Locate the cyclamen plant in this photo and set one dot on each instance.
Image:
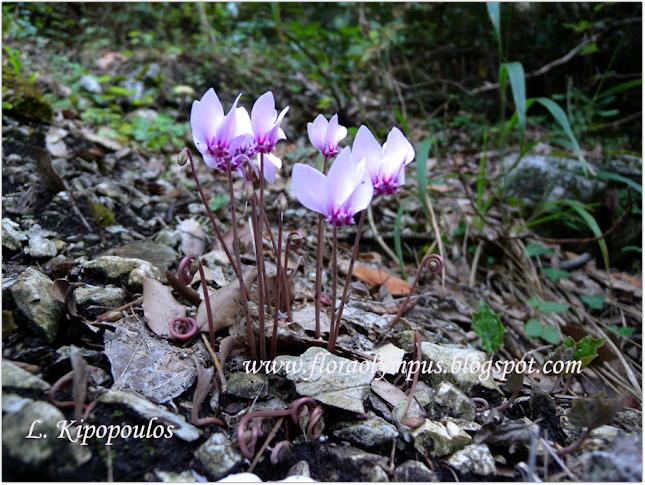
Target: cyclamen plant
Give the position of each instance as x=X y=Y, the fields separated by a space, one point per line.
x=237 y=143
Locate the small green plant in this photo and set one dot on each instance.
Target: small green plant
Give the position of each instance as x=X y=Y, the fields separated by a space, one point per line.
x=488 y=326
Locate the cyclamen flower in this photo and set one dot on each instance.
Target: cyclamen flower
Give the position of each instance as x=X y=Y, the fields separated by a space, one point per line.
x=326 y=135
x=340 y=194
x=265 y=123
x=385 y=165
x=242 y=147
x=213 y=133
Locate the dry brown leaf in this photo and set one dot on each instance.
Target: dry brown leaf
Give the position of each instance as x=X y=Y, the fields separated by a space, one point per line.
x=388 y=392
x=378 y=276
x=225 y=304
x=160 y=307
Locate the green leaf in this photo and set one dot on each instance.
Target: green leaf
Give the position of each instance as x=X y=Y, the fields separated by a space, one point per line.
x=595 y=302
x=534 y=329
x=494 y=16
x=627 y=85
x=561 y=118
x=217 y=202
x=422 y=181
x=533 y=249
x=489 y=328
x=398 y=247
x=548 y=306
x=632 y=249
x=625 y=332
x=515 y=72
x=604 y=175
x=586 y=350
x=551 y=335
x=555 y=274
x=592 y=224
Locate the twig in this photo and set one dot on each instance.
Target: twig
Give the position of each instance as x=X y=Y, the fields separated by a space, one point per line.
x=264 y=446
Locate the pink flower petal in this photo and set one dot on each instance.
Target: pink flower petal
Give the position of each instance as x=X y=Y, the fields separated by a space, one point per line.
x=366 y=148
x=263 y=114
x=316 y=131
x=343 y=177
x=310 y=188
x=205 y=116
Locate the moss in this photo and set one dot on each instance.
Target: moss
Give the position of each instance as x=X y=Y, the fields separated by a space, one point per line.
x=23 y=99
x=101 y=213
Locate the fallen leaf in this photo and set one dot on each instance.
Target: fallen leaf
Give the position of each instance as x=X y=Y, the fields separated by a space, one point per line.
x=378 y=276
x=160 y=307
x=388 y=392
x=225 y=303
x=152 y=367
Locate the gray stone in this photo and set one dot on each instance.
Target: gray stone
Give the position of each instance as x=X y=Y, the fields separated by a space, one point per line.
x=148 y=410
x=300 y=469
x=369 y=433
x=32 y=296
x=247 y=385
x=468 y=426
x=458 y=366
x=621 y=462
x=187 y=476
x=12 y=403
x=167 y=237
x=108 y=296
x=414 y=471
x=407 y=417
x=90 y=84
x=439 y=440
x=378 y=475
x=12 y=236
x=450 y=401
x=160 y=255
x=117 y=270
x=600 y=438
x=423 y=394
x=346 y=463
x=330 y=379
x=218 y=456
x=14 y=376
x=549 y=178
x=40 y=247
x=475 y=459
x=48 y=452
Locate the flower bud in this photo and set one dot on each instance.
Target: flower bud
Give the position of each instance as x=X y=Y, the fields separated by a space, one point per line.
x=281 y=203
x=182 y=157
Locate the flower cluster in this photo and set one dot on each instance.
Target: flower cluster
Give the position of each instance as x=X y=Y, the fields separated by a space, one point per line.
x=355 y=176
x=227 y=141
x=237 y=142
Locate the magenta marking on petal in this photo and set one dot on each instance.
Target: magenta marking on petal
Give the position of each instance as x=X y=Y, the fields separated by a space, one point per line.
x=340 y=217
x=386 y=186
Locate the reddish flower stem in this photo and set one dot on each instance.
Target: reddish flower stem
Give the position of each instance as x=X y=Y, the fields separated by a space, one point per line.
x=257 y=237
x=247 y=438
x=294 y=241
x=334 y=283
x=183 y=328
x=218 y=233
x=236 y=249
x=207 y=302
x=319 y=258
x=278 y=289
x=333 y=332
x=67 y=379
x=319 y=261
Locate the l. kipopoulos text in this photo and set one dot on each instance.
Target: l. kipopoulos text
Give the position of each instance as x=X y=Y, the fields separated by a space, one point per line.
x=79 y=432
x=484 y=370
